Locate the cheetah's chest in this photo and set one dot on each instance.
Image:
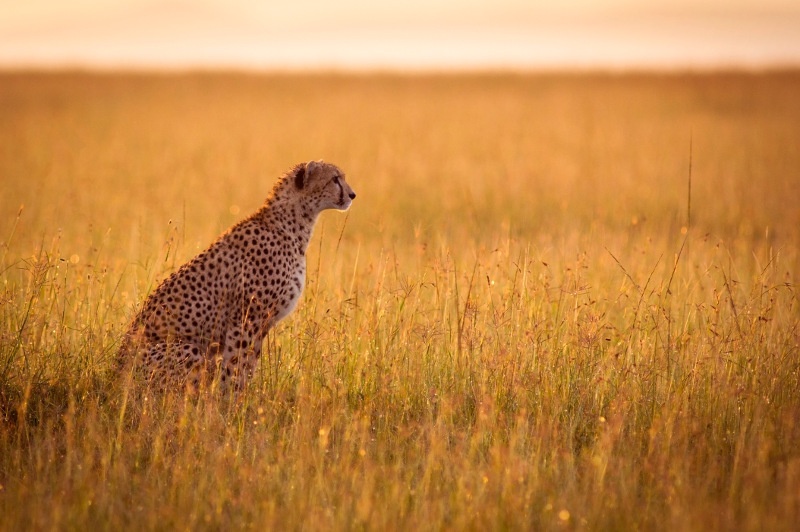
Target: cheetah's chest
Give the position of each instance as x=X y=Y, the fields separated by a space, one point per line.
x=287 y=301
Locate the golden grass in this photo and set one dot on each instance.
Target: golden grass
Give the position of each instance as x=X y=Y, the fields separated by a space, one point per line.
x=514 y=327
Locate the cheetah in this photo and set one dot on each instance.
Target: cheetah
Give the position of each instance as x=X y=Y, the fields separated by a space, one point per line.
x=208 y=319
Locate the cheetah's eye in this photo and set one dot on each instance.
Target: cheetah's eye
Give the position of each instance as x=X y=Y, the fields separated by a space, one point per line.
x=336 y=179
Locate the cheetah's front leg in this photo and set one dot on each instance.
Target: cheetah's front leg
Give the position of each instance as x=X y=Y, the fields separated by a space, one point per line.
x=240 y=354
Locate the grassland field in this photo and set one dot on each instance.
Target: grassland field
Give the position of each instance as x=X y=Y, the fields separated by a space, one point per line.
x=559 y=302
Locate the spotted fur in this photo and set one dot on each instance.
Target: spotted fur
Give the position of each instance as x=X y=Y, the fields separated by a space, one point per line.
x=209 y=318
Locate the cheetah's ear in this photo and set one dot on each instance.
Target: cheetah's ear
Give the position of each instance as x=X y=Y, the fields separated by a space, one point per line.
x=305 y=172
x=312 y=166
x=299 y=177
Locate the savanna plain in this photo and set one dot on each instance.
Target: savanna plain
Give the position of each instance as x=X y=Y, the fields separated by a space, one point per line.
x=558 y=302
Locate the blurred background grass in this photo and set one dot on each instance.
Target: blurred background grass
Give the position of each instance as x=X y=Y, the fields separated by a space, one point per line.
x=544 y=154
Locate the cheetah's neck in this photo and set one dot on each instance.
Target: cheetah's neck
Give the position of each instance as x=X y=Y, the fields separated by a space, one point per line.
x=291 y=220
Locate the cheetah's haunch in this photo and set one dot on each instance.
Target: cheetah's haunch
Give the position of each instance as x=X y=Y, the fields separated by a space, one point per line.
x=210 y=317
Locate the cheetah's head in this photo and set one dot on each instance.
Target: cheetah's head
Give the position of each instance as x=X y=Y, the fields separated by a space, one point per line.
x=323 y=184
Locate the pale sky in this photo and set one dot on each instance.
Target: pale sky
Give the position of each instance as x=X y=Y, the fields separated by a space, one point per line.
x=399 y=34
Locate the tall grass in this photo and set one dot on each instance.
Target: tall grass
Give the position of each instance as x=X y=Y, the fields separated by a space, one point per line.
x=515 y=326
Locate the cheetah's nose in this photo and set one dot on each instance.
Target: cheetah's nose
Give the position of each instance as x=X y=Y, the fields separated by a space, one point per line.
x=352 y=195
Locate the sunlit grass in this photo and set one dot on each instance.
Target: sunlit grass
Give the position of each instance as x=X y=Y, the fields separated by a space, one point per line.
x=515 y=325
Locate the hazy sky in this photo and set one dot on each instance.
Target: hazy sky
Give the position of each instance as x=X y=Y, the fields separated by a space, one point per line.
x=416 y=34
